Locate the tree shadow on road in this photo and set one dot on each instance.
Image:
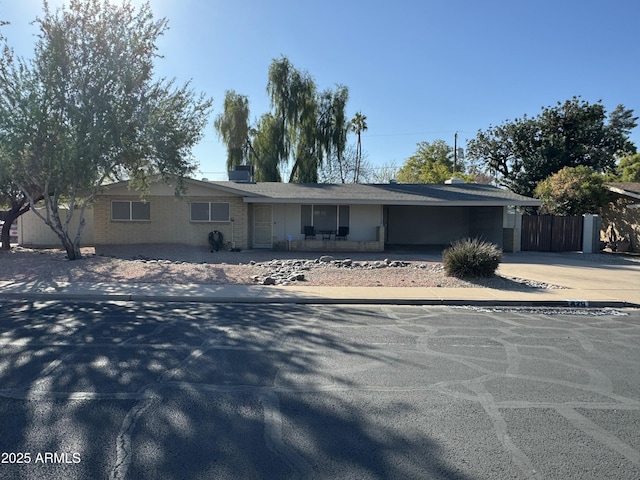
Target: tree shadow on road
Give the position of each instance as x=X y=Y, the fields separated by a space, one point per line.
x=174 y=391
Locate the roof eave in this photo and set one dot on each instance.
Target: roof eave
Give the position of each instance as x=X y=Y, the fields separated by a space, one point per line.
x=622 y=191
x=424 y=203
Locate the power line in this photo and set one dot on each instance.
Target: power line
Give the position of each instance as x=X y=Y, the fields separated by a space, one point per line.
x=442 y=132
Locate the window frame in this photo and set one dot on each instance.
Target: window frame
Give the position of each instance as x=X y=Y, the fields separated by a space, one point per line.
x=309 y=210
x=210 y=212
x=147 y=210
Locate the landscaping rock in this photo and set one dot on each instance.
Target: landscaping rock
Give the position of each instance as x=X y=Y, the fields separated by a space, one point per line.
x=285 y=272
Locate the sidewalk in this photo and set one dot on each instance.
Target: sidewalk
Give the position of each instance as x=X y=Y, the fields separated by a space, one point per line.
x=587 y=283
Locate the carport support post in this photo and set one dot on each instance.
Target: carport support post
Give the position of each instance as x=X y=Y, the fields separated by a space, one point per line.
x=512 y=224
x=517 y=232
x=591 y=234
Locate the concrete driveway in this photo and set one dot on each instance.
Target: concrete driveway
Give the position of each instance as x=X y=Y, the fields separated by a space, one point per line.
x=602 y=277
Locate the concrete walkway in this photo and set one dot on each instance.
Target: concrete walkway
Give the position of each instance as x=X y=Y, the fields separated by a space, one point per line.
x=588 y=280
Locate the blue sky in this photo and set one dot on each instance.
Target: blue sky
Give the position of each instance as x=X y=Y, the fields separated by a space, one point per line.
x=420 y=70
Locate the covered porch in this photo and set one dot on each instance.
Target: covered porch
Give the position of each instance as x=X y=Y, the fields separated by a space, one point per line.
x=311 y=245
x=317 y=227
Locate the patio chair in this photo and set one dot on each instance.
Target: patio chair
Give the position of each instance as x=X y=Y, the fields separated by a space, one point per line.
x=343 y=232
x=309 y=232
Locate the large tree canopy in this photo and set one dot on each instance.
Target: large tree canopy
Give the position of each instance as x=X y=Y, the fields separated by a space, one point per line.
x=86 y=109
x=13 y=202
x=293 y=98
x=432 y=163
x=305 y=132
x=333 y=129
x=14 y=133
x=311 y=126
x=265 y=153
x=525 y=151
x=233 y=128
x=629 y=168
x=573 y=191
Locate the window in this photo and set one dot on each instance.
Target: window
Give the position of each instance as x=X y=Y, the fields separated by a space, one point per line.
x=209 y=212
x=306 y=217
x=343 y=216
x=199 y=212
x=324 y=217
x=128 y=211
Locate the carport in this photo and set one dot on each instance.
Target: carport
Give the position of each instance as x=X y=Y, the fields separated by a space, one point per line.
x=437 y=226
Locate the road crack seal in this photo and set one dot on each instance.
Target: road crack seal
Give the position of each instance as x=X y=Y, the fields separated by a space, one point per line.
x=500 y=427
x=123 y=440
x=601 y=435
x=274 y=438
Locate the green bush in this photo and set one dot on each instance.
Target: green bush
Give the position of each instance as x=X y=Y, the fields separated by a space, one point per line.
x=471 y=257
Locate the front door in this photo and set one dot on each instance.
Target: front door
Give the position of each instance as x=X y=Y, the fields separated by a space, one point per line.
x=262 y=226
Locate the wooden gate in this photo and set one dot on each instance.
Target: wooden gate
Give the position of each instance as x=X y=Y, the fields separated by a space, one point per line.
x=551 y=233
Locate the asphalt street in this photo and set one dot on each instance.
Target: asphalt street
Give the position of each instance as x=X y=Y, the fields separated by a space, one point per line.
x=129 y=390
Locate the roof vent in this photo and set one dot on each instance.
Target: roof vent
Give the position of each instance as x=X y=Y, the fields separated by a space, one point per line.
x=241 y=174
x=454 y=181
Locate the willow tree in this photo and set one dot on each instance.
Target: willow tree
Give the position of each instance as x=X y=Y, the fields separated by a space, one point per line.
x=307 y=154
x=333 y=128
x=94 y=111
x=232 y=126
x=293 y=98
x=265 y=151
x=312 y=126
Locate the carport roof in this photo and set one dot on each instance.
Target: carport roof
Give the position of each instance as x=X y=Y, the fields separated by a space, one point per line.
x=463 y=194
x=630 y=189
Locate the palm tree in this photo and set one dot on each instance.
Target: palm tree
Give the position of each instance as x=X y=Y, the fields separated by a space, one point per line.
x=358 y=125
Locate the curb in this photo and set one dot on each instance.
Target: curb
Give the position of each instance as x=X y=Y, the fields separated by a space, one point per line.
x=573 y=303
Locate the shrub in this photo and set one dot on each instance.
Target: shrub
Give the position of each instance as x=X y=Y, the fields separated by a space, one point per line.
x=573 y=191
x=471 y=257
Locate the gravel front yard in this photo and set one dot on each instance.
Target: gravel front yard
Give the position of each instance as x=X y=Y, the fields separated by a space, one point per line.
x=180 y=264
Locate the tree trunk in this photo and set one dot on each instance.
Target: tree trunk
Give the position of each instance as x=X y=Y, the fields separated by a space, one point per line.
x=52 y=219
x=9 y=217
x=72 y=249
x=6 y=239
x=356 y=176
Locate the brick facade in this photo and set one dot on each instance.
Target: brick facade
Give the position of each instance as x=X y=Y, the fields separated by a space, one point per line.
x=170 y=222
x=411 y=214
